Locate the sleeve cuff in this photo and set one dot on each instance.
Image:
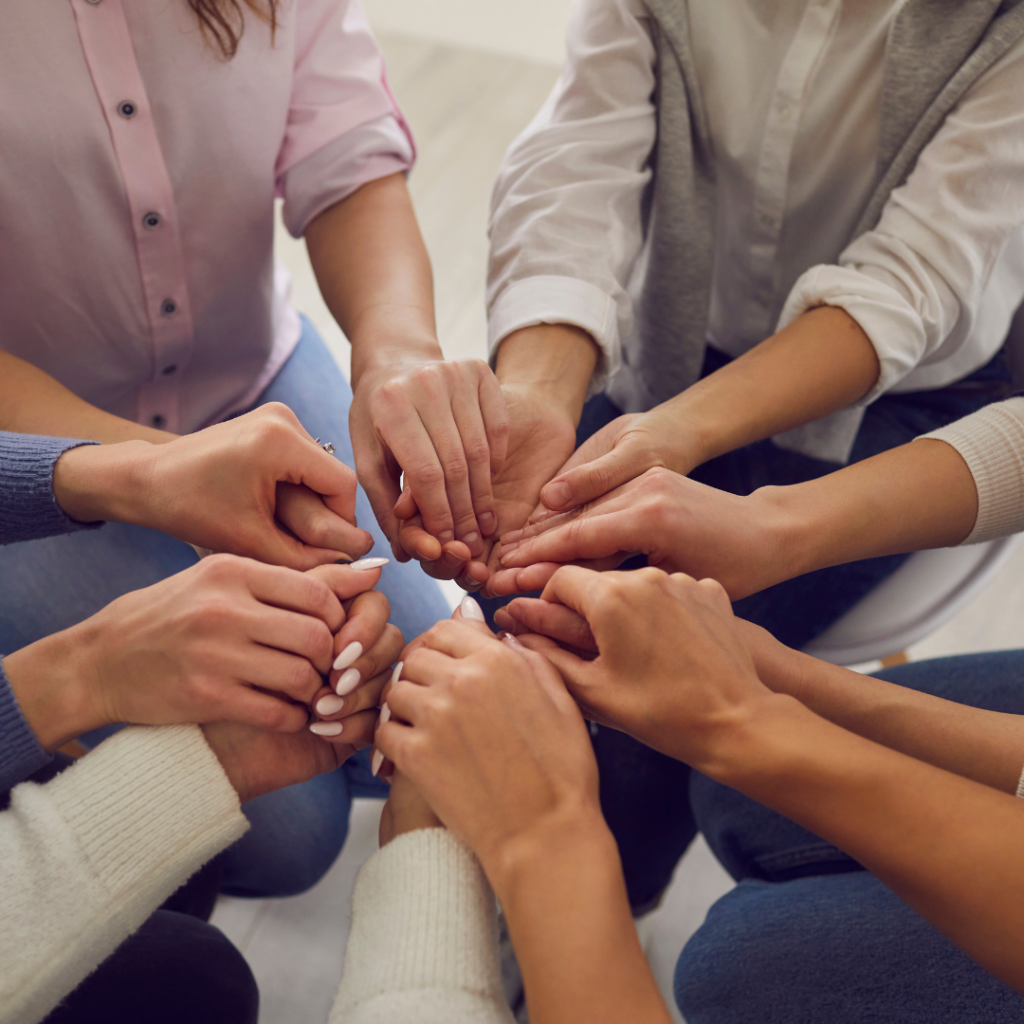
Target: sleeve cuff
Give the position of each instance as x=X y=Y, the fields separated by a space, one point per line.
x=559 y=300
x=991 y=442
x=20 y=751
x=423 y=918
x=28 y=507
x=890 y=322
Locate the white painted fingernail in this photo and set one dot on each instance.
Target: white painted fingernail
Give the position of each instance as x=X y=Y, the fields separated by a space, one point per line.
x=385 y=713
x=326 y=728
x=471 y=610
x=396 y=673
x=347 y=682
x=369 y=563
x=375 y=762
x=329 y=705
x=349 y=656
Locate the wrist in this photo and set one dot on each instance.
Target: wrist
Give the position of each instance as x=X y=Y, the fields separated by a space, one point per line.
x=783 y=535
x=102 y=482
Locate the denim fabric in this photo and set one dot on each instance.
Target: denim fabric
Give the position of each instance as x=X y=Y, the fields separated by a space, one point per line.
x=795 y=611
x=809 y=936
x=49 y=585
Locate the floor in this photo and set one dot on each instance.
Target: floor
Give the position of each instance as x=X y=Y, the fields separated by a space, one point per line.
x=465 y=107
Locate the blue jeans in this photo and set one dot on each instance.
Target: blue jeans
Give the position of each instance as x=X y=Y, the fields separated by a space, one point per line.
x=808 y=936
x=49 y=585
x=644 y=794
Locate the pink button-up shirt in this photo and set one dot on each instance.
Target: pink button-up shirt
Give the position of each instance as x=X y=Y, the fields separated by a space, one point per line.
x=138 y=171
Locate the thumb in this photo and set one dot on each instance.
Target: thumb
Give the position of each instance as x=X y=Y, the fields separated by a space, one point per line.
x=582 y=679
x=593 y=479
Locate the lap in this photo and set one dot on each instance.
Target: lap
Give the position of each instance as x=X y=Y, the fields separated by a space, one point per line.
x=831 y=950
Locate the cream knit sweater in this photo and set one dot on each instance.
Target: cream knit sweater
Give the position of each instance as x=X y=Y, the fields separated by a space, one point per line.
x=91 y=854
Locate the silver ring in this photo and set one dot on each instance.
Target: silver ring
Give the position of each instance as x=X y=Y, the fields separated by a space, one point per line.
x=327 y=446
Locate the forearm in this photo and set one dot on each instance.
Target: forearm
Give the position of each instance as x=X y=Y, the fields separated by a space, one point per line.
x=557 y=359
x=568 y=915
x=948 y=846
x=374 y=274
x=918 y=496
x=982 y=745
x=823 y=361
x=32 y=402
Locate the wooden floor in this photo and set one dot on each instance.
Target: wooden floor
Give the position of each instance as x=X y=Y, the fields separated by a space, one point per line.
x=465 y=107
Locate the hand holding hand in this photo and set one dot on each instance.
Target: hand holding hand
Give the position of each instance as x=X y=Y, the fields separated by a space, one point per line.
x=255 y=485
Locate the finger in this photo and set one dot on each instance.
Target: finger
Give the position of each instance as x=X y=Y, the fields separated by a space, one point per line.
x=406 y=699
x=520 y=581
x=262 y=710
x=366 y=645
x=325 y=532
x=496 y=421
x=422 y=667
x=425 y=475
x=348 y=581
x=405 y=507
x=292 y=633
x=473 y=576
x=321 y=472
x=356 y=732
x=274 y=670
x=577 y=675
x=308 y=593
x=380 y=481
x=416 y=541
x=456 y=519
x=554 y=620
x=470 y=423
x=591 y=480
x=578 y=536
x=576 y=588
x=457 y=639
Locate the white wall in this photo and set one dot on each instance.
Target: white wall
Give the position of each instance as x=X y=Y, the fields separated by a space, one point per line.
x=534 y=29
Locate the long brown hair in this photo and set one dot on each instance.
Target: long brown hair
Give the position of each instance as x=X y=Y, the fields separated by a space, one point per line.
x=222 y=21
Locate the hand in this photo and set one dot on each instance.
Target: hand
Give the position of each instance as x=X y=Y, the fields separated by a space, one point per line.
x=257 y=761
x=256 y=485
x=672 y=669
x=541 y=436
x=446 y=426
x=679 y=524
x=227 y=639
x=405 y=811
x=487 y=733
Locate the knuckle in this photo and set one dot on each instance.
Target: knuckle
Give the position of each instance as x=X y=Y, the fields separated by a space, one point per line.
x=478 y=452
x=456 y=471
x=429 y=475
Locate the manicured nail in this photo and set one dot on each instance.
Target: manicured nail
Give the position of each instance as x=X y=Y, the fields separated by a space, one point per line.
x=364 y=564
x=349 y=656
x=445 y=537
x=326 y=728
x=329 y=705
x=471 y=610
x=471 y=538
x=347 y=682
x=375 y=762
x=557 y=495
x=385 y=713
x=505 y=637
x=488 y=523
x=396 y=673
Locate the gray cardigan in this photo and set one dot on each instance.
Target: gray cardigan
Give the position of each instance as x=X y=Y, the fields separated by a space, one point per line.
x=937 y=50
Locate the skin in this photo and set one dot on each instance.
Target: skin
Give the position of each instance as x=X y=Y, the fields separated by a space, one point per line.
x=489 y=737
x=918 y=496
x=916 y=789
x=227 y=640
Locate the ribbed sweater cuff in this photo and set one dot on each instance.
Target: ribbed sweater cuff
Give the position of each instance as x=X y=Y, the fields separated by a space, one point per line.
x=423 y=917
x=991 y=442
x=20 y=751
x=148 y=807
x=28 y=508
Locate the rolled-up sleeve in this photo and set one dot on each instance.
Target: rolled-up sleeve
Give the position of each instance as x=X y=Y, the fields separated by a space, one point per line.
x=344 y=126
x=919 y=284
x=566 y=217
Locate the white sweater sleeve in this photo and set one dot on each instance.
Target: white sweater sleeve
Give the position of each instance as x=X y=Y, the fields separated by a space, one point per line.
x=91 y=854
x=991 y=442
x=423 y=947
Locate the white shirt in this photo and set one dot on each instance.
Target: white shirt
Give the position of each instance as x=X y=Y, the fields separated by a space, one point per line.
x=792 y=90
x=138 y=171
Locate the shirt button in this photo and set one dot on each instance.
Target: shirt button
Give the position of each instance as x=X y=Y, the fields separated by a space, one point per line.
x=158 y=421
x=169 y=371
x=127 y=109
x=168 y=307
x=92 y=1
x=152 y=219
x=766 y=219
x=784 y=110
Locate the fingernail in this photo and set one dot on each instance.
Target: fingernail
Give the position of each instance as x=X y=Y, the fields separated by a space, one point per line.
x=508 y=552
x=385 y=713
x=350 y=655
x=557 y=495
x=375 y=762
x=488 y=523
x=347 y=682
x=471 y=538
x=396 y=673
x=471 y=610
x=326 y=728
x=511 y=537
x=445 y=537
x=329 y=705
x=506 y=638
x=365 y=564
x=342 y=558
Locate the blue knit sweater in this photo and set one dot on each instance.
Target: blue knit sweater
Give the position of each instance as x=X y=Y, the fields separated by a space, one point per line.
x=28 y=510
